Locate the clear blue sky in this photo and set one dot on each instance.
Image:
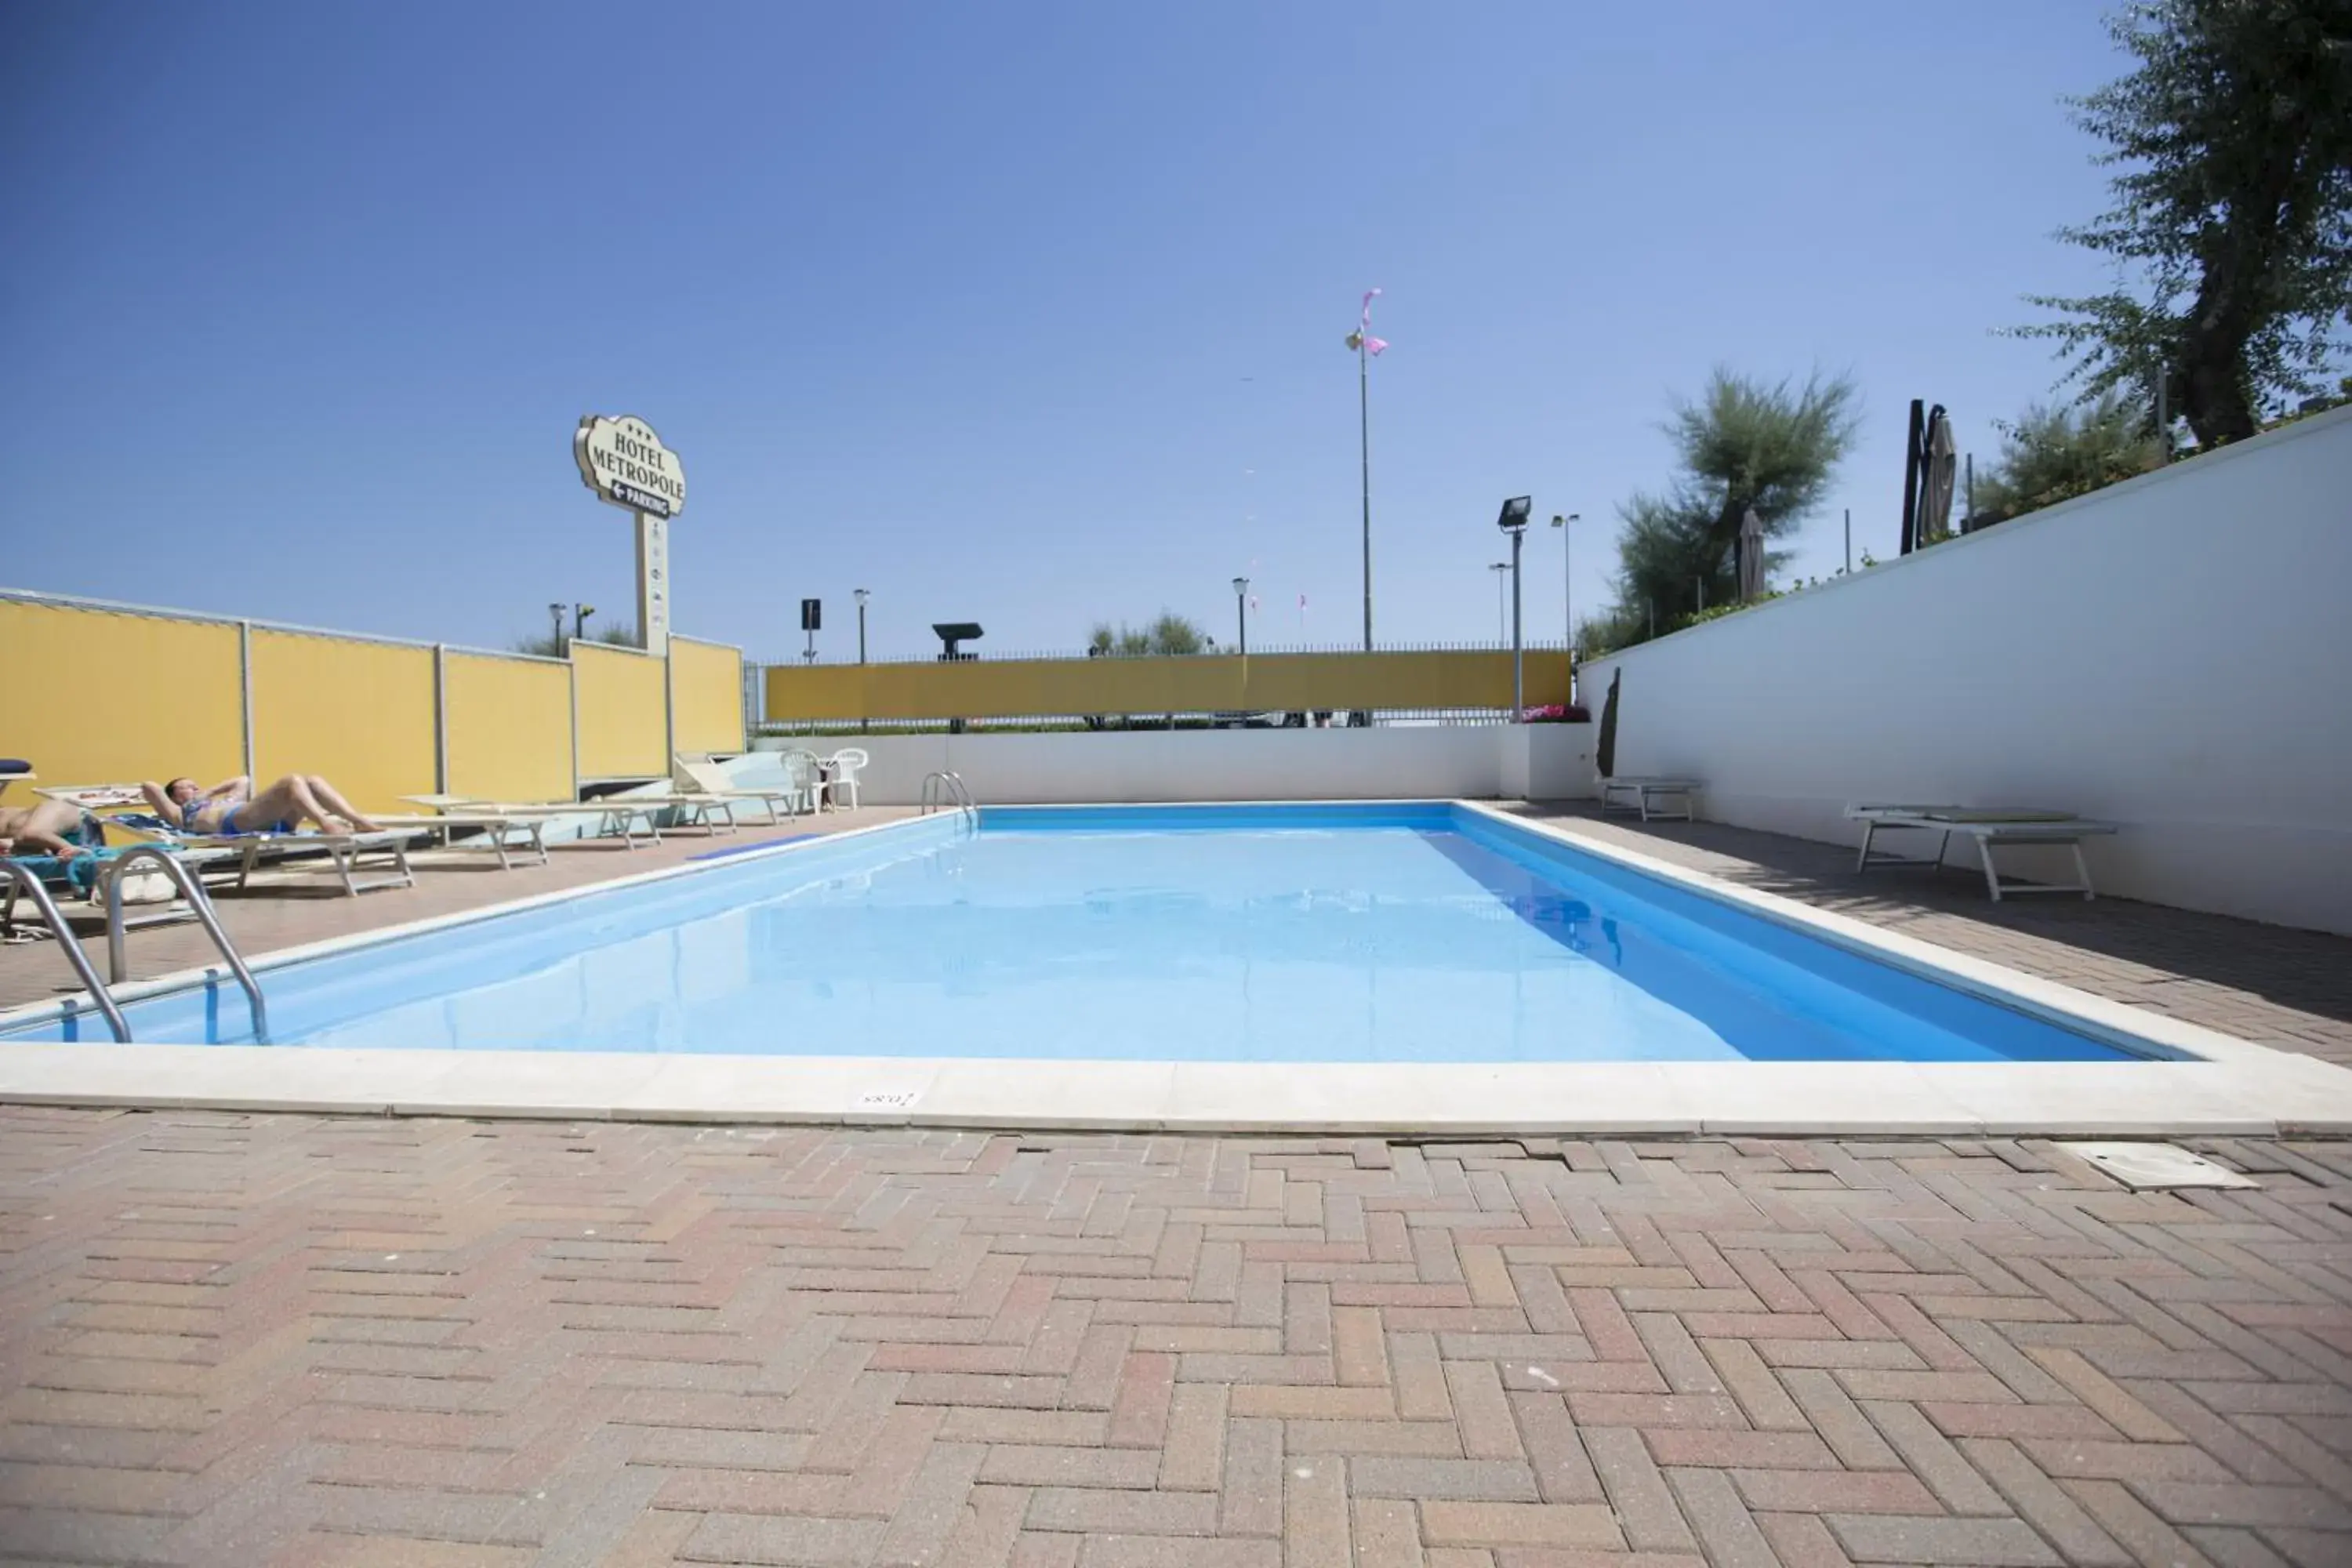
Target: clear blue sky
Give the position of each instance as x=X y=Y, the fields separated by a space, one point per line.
x=1022 y=313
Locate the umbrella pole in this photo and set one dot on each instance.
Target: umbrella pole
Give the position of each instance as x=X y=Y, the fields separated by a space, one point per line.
x=1911 y=478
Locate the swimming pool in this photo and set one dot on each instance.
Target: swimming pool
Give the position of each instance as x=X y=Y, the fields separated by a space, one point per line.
x=1386 y=934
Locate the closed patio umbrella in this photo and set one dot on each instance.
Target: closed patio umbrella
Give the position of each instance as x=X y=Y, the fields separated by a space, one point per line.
x=1943 y=468
x=1604 y=756
x=1752 y=557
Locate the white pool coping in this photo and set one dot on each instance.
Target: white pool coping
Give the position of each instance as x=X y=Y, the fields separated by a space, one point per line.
x=2233 y=1087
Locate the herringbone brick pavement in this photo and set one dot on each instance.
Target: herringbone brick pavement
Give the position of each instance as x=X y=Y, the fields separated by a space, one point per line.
x=298 y=1339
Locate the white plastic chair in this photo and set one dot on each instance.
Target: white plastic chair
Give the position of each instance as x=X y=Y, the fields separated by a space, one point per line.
x=845 y=763
x=803 y=777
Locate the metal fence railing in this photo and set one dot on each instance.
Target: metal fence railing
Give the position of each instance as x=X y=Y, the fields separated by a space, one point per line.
x=1114 y=723
x=798 y=659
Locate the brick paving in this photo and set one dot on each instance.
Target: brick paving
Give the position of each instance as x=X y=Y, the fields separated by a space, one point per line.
x=287 y=1340
x=2274 y=986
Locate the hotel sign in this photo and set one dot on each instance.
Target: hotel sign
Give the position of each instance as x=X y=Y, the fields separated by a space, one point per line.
x=624 y=463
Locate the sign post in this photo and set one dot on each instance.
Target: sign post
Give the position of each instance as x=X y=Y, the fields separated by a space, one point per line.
x=624 y=463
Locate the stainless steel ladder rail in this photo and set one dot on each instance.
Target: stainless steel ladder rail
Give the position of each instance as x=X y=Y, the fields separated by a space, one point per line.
x=200 y=903
x=941 y=790
x=22 y=879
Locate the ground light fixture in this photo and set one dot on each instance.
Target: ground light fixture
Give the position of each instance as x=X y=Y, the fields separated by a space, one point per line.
x=1513 y=520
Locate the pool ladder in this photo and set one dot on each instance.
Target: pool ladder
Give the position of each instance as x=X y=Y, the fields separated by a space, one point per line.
x=943 y=790
x=22 y=878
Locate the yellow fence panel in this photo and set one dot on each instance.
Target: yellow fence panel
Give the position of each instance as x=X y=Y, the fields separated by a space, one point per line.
x=624 y=719
x=707 y=685
x=359 y=712
x=1298 y=682
x=98 y=696
x=508 y=726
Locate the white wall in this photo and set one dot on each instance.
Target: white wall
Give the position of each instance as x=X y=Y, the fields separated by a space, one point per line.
x=2173 y=655
x=1447 y=761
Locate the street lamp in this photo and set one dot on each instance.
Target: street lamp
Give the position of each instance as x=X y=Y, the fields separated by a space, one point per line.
x=1568 y=584
x=580 y=614
x=1513 y=520
x=1241 y=611
x=861 y=596
x=555 y=614
x=1502 y=600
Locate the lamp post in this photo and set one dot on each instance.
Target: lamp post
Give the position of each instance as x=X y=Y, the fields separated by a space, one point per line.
x=1502 y=601
x=1568 y=584
x=580 y=614
x=861 y=596
x=1240 y=611
x=1366 y=346
x=1513 y=520
x=555 y=614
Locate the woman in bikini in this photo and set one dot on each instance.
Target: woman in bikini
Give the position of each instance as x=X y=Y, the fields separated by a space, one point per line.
x=231 y=807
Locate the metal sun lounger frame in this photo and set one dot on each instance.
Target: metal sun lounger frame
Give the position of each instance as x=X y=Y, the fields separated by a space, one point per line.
x=1989 y=826
x=614 y=814
x=1649 y=793
x=214 y=851
x=491 y=824
x=107 y=869
x=706 y=775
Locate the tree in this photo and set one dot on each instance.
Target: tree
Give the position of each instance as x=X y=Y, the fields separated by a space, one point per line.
x=1169 y=633
x=2234 y=206
x=618 y=633
x=1742 y=444
x=2054 y=453
x=547 y=645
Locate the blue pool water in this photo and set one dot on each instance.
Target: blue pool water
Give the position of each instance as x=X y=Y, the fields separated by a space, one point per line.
x=1313 y=933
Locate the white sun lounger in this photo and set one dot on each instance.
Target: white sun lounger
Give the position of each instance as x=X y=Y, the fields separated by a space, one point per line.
x=710 y=780
x=614 y=815
x=493 y=827
x=1649 y=795
x=1988 y=826
x=346 y=853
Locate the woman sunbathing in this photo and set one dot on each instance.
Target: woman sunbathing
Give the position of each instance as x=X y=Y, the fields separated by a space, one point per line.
x=47 y=828
x=231 y=807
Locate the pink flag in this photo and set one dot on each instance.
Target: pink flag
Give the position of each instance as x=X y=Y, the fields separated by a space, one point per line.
x=1362 y=336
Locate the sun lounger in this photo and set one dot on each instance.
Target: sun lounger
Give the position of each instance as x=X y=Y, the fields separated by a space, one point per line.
x=1649 y=795
x=617 y=814
x=491 y=825
x=707 y=779
x=1988 y=826
x=84 y=877
x=347 y=854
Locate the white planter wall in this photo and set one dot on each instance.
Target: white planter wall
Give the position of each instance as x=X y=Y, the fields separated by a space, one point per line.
x=2173 y=655
x=1547 y=762
x=1439 y=762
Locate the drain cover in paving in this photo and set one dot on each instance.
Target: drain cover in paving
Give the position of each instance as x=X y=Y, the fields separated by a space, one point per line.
x=2146 y=1166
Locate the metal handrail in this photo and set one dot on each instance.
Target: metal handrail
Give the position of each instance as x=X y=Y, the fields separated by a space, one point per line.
x=23 y=877
x=941 y=790
x=200 y=903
